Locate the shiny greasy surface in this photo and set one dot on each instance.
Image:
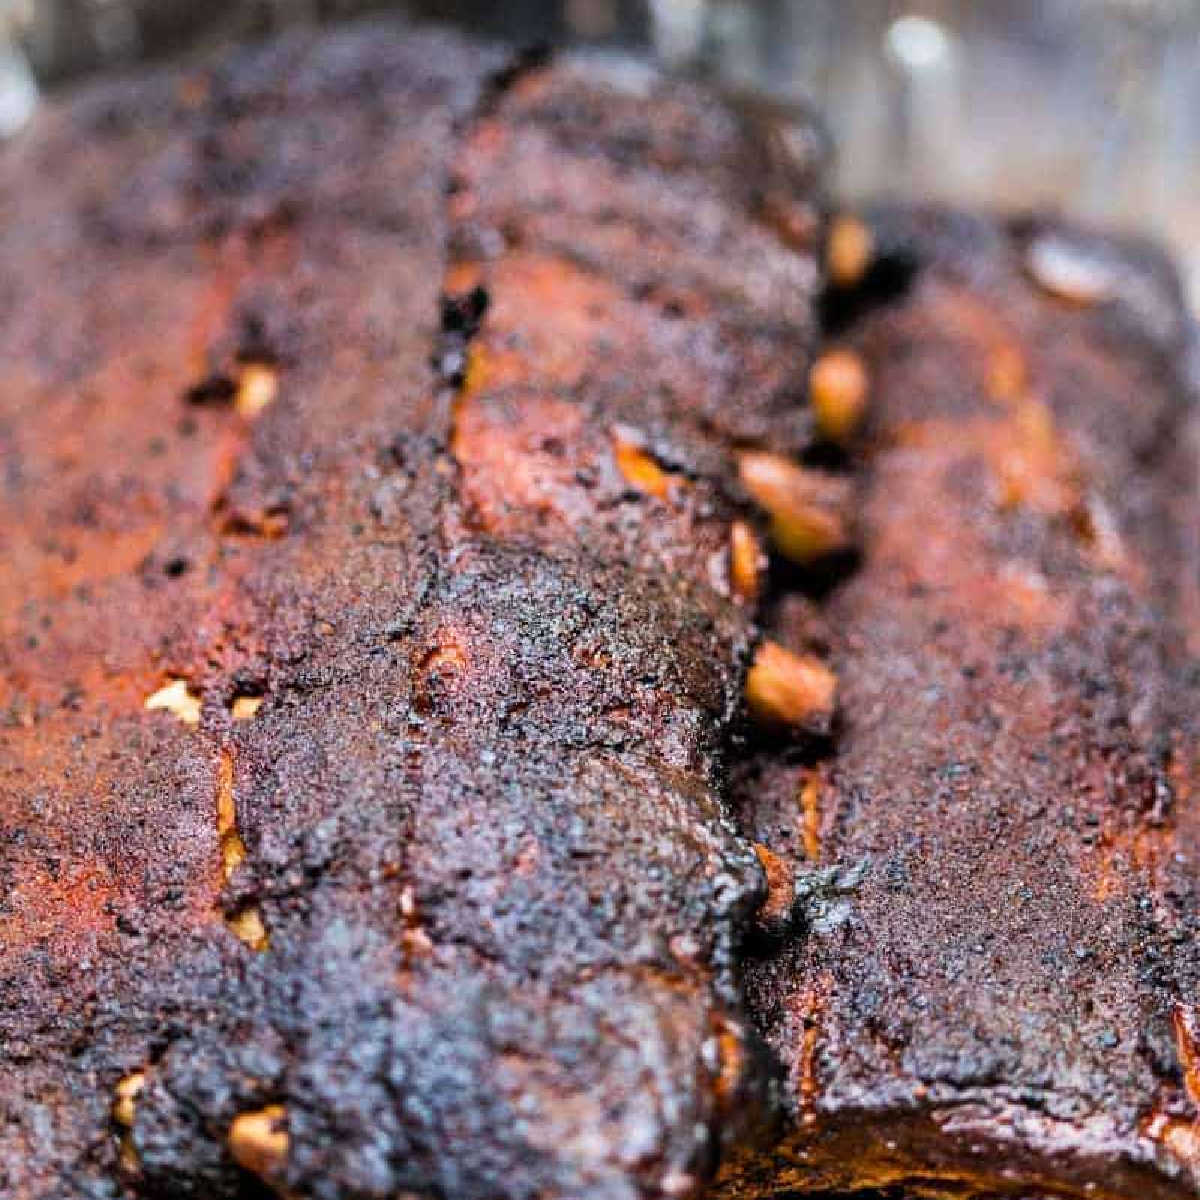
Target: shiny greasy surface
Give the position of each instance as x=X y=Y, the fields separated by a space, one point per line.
x=479 y=807
x=989 y=985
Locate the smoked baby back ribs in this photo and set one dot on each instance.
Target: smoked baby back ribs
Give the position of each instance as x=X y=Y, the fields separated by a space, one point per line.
x=369 y=623
x=990 y=986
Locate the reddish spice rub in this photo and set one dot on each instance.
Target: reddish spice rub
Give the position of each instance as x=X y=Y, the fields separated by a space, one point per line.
x=989 y=981
x=415 y=876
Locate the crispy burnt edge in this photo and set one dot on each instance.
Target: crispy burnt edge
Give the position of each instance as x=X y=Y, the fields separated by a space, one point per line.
x=788 y=698
x=170 y=968
x=257 y=1137
x=875 y=257
x=799 y=693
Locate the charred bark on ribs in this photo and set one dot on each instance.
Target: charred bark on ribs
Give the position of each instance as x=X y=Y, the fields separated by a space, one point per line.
x=362 y=805
x=990 y=982
x=393 y=435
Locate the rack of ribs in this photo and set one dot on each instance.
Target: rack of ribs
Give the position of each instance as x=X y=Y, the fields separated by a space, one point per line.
x=990 y=983
x=429 y=530
x=369 y=412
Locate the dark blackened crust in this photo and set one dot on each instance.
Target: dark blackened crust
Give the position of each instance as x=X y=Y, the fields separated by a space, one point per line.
x=153 y=245
x=992 y=1006
x=494 y=1021
x=415 y=878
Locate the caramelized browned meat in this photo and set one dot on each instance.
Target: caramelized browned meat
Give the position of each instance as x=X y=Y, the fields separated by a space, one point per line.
x=360 y=779
x=989 y=987
x=391 y=435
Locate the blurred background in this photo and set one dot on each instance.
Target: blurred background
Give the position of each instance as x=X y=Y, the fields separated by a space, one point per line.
x=1087 y=106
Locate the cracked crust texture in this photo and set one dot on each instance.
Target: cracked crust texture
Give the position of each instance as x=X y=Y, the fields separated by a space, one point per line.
x=990 y=988
x=479 y=807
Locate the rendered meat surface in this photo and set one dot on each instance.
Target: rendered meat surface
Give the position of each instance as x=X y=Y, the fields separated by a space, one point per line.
x=367 y=641
x=381 y=425
x=991 y=983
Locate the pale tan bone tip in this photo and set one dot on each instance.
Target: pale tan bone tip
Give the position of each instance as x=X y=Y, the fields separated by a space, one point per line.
x=809 y=509
x=233 y=849
x=258 y=385
x=178 y=699
x=793 y=690
x=125 y=1096
x=247 y=926
x=850 y=250
x=245 y=708
x=637 y=465
x=837 y=389
x=747 y=562
x=258 y=1141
